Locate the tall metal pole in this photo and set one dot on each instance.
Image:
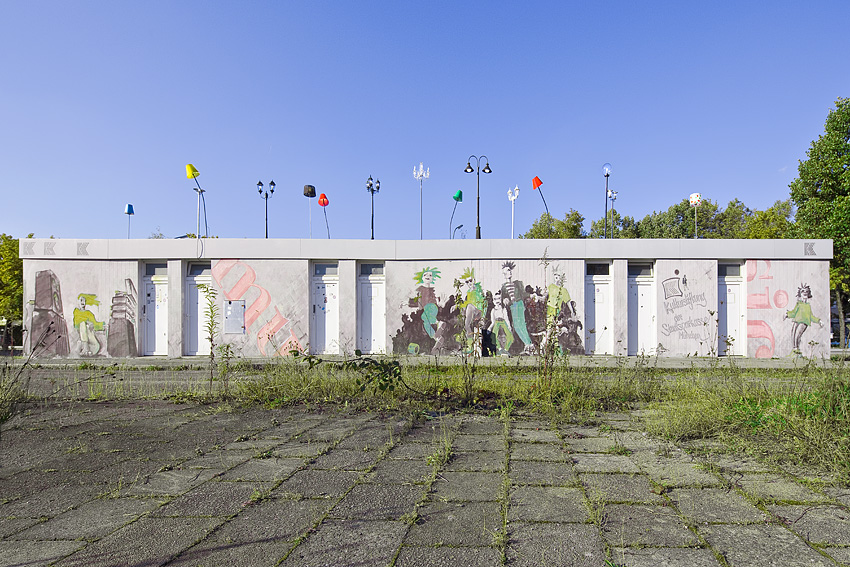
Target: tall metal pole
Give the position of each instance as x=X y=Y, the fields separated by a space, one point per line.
x=477 y=172
x=512 y=196
x=606 y=171
x=420 y=175
x=605 y=234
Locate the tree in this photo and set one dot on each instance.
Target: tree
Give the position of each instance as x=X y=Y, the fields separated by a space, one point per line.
x=11 y=278
x=732 y=221
x=775 y=222
x=623 y=227
x=822 y=196
x=549 y=227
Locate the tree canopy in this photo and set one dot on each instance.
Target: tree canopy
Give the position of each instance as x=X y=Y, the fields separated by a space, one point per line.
x=11 y=278
x=821 y=193
x=735 y=221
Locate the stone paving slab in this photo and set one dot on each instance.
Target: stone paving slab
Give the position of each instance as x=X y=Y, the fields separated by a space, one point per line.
x=357 y=542
x=555 y=545
x=92 y=520
x=777 y=488
x=467 y=486
x=410 y=556
x=35 y=553
x=604 y=463
x=816 y=524
x=542 y=473
x=618 y=487
x=641 y=525
x=157 y=540
x=715 y=505
x=547 y=504
x=456 y=524
x=762 y=545
x=477 y=461
x=379 y=502
x=657 y=557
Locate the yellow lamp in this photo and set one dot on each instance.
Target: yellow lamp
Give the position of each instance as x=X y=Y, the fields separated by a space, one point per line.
x=191 y=172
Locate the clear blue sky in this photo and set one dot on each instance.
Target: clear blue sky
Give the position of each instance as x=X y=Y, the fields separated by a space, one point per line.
x=104 y=103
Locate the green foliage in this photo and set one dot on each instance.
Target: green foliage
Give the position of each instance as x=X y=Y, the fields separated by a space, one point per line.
x=380 y=374
x=11 y=278
x=822 y=196
x=774 y=222
x=210 y=322
x=549 y=227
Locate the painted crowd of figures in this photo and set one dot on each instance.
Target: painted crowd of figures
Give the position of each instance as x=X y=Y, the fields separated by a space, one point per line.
x=512 y=320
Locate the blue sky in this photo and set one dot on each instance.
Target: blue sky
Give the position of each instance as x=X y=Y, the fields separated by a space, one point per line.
x=104 y=103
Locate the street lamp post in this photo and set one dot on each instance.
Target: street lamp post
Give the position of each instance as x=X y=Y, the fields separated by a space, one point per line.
x=265 y=196
x=372 y=189
x=512 y=195
x=612 y=195
x=606 y=171
x=421 y=175
x=477 y=172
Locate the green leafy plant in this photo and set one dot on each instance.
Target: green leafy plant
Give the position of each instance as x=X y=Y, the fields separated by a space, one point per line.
x=211 y=313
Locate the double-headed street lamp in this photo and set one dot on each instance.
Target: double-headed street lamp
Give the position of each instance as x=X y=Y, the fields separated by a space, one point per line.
x=372 y=189
x=477 y=172
x=265 y=196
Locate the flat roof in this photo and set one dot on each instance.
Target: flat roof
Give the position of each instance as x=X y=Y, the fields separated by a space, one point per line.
x=312 y=249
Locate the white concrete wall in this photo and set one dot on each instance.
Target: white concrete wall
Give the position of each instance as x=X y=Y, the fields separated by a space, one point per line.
x=686 y=296
x=273 y=278
x=772 y=288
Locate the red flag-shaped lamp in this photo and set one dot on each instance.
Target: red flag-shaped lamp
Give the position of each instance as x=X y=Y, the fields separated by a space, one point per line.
x=323 y=202
x=535 y=184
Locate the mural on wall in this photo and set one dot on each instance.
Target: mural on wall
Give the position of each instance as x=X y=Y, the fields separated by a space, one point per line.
x=91 y=335
x=773 y=327
x=758 y=327
x=121 y=336
x=48 y=323
x=87 y=325
x=802 y=317
x=679 y=302
x=276 y=336
x=512 y=320
x=687 y=314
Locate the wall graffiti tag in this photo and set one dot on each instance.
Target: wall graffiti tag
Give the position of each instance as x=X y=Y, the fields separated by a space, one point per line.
x=267 y=333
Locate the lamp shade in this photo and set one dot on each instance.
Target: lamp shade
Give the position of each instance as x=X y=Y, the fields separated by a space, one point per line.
x=309 y=191
x=696 y=199
x=535 y=183
x=128 y=210
x=323 y=200
x=191 y=172
x=458 y=197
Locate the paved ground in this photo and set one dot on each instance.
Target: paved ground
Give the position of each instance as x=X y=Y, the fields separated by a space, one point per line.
x=155 y=483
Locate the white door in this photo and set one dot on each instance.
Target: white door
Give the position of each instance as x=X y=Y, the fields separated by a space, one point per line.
x=730 y=318
x=641 y=317
x=156 y=315
x=197 y=340
x=598 y=316
x=324 y=327
x=371 y=310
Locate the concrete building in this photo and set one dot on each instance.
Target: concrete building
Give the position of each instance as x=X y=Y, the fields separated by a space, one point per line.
x=123 y=298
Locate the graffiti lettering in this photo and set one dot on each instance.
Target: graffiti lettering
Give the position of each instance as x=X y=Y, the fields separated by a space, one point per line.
x=688 y=300
x=761 y=330
x=253 y=312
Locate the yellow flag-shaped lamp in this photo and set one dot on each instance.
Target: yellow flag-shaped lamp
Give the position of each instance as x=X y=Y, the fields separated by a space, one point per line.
x=191 y=172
